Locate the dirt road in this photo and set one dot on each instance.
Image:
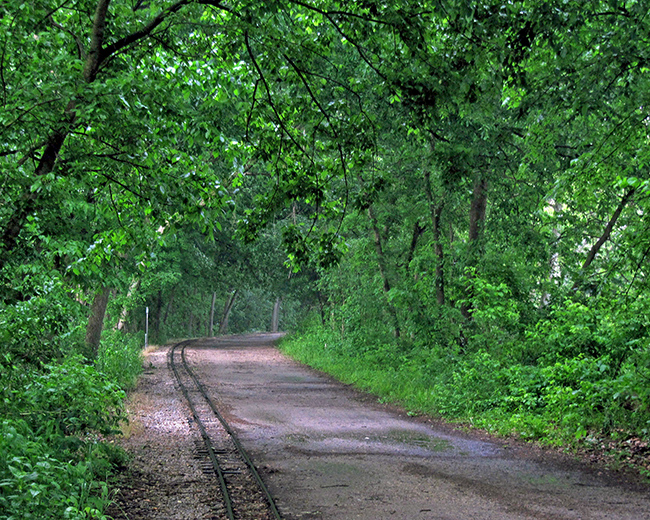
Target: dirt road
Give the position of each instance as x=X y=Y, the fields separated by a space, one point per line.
x=329 y=452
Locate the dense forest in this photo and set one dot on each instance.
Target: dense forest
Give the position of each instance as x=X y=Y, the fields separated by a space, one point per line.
x=444 y=200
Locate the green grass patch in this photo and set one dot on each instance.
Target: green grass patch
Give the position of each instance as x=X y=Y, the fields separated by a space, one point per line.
x=120 y=358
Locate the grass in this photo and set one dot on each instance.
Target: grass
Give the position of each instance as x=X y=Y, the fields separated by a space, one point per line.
x=573 y=404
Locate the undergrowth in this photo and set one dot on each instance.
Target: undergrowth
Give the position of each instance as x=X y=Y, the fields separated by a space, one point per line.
x=55 y=416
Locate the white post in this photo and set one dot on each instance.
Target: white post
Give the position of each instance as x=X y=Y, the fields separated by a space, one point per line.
x=146 y=329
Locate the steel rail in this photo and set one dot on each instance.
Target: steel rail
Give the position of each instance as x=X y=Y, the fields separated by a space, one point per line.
x=204 y=434
x=233 y=437
x=235 y=440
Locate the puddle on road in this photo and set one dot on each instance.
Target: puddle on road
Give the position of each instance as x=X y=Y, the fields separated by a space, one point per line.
x=418 y=439
x=393 y=438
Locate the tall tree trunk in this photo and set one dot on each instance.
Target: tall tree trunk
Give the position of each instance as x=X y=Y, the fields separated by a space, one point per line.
x=440 y=263
x=202 y=326
x=190 y=320
x=275 y=319
x=415 y=236
x=170 y=305
x=381 y=262
x=477 y=211
x=230 y=301
x=121 y=322
x=28 y=202
x=214 y=299
x=96 y=321
x=476 y=224
x=436 y=213
x=553 y=262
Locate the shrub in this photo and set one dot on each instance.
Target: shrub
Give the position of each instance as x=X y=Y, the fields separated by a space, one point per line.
x=71 y=398
x=44 y=326
x=35 y=484
x=120 y=358
x=52 y=463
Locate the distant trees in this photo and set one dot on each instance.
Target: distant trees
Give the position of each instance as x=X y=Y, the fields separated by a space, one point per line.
x=517 y=132
x=503 y=195
x=123 y=123
x=458 y=191
x=496 y=152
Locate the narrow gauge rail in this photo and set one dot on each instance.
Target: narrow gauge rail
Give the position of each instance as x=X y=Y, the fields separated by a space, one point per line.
x=237 y=475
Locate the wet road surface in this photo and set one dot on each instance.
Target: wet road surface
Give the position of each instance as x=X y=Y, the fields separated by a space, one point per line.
x=329 y=452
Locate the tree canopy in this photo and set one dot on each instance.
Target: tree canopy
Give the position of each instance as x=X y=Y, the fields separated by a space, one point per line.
x=464 y=179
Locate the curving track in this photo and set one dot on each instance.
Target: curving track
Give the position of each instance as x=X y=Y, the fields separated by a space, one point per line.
x=327 y=451
x=245 y=496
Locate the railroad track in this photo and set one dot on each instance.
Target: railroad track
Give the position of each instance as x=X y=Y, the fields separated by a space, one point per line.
x=245 y=496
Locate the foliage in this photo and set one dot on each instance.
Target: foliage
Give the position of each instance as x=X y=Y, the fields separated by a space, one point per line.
x=498 y=255
x=37 y=483
x=570 y=401
x=65 y=399
x=52 y=462
x=120 y=358
x=45 y=325
x=458 y=191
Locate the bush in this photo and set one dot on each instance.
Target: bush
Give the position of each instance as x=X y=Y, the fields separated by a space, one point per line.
x=52 y=462
x=471 y=385
x=35 y=484
x=559 y=398
x=120 y=357
x=71 y=398
x=44 y=327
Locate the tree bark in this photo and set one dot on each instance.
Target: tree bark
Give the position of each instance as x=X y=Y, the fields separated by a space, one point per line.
x=94 y=56
x=440 y=264
x=214 y=299
x=96 y=321
x=230 y=301
x=604 y=237
x=27 y=204
x=476 y=223
x=121 y=322
x=477 y=211
x=436 y=213
x=415 y=236
x=275 y=319
x=553 y=261
x=381 y=262
x=190 y=320
x=97 y=53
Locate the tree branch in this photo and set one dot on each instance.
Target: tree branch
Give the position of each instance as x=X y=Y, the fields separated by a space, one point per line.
x=80 y=47
x=94 y=57
x=605 y=236
x=122 y=43
x=270 y=98
x=121 y=184
x=161 y=17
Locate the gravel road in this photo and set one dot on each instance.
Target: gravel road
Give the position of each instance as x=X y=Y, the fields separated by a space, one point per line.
x=327 y=452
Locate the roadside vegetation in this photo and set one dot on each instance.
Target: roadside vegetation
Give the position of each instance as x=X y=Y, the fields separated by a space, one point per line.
x=454 y=194
x=58 y=408
x=595 y=403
